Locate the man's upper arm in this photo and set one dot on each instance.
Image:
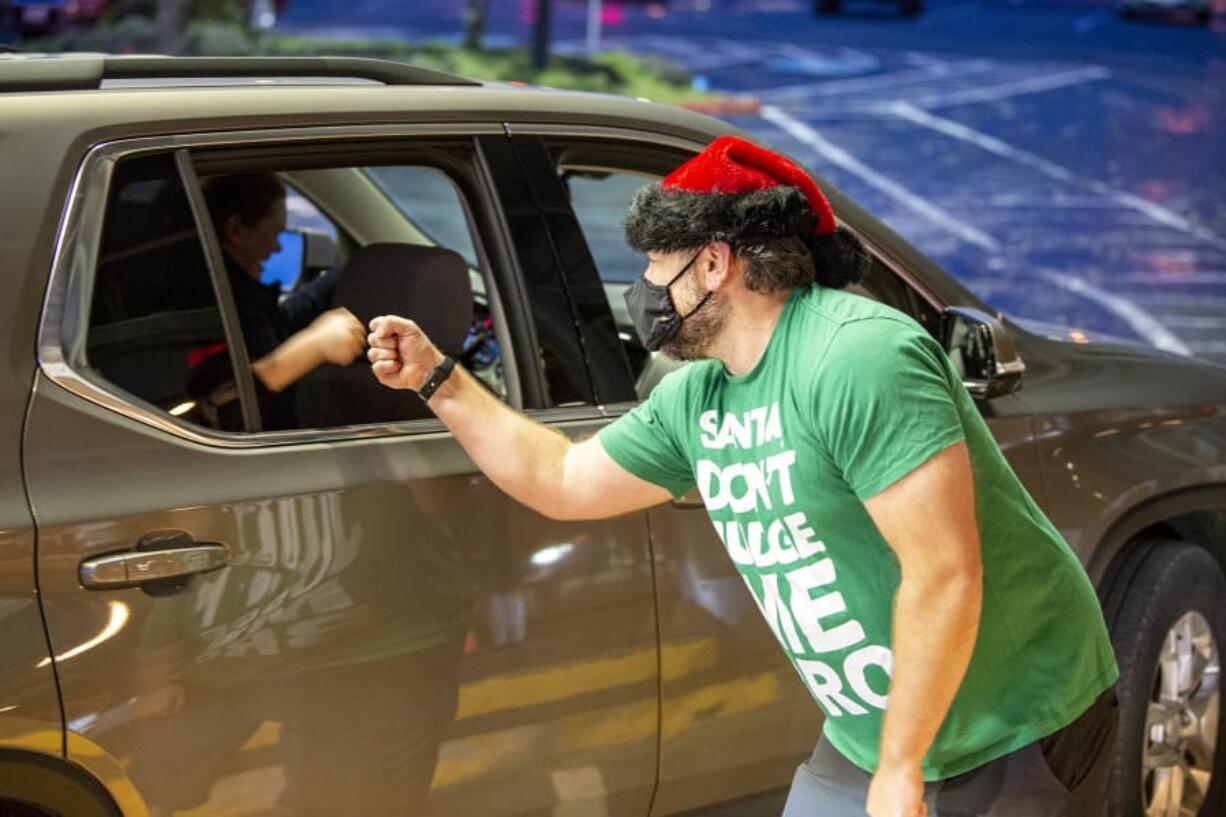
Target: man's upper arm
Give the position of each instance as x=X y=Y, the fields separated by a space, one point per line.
x=885 y=403
x=928 y=516
x=634 y=462
x=597 y=487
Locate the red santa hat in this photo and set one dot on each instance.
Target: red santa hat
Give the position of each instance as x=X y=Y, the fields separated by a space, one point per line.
x=732 y=191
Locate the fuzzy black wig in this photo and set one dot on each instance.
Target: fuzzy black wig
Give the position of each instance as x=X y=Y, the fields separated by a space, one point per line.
x=670 y=220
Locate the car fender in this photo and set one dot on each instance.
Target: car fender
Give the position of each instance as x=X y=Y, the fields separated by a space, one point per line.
x=1196 y=513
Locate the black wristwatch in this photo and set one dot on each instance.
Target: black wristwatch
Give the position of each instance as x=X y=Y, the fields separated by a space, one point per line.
x=437 y=377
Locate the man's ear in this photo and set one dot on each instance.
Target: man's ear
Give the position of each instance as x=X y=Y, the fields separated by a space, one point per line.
x=719 y=265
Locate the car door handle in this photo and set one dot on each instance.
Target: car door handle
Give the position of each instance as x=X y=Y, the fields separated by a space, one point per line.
x=135 y=567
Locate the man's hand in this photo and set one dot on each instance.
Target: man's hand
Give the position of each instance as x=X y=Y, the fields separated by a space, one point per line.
x=401 y=355
x=336 y=336
x=896 y=791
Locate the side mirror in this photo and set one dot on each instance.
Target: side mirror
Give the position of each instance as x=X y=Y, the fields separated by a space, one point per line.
x=982 y=352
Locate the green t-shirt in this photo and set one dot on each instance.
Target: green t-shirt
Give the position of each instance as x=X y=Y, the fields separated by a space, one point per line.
x=849 y=397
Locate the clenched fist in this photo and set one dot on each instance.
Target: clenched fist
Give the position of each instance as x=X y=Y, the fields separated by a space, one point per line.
x=401 y=355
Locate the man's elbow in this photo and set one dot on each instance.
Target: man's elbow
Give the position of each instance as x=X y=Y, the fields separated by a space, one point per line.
x=560 y=509
x=556 y=512
x=964 y=581
x=959 y=575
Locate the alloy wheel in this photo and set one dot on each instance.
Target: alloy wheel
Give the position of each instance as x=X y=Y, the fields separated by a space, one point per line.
x=1182 y=721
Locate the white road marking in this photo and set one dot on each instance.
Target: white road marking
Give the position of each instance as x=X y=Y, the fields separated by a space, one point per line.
x=889 y=80
x=1143 y=323
x=991 y=144
x=840 y=157
x=1006 y=90
x=956 y=130
x=845 y=61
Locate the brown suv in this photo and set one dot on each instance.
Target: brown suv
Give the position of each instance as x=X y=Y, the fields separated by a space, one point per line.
x=342 y=617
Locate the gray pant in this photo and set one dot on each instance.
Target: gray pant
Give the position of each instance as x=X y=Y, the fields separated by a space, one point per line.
x=1063 y=775
x=1019 y=784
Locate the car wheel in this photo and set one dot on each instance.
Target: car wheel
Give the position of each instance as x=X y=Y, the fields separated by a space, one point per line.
x=829 y=6
x=1202 y=16
x=1128 y=12
x=1168 y=636
x=911 y=8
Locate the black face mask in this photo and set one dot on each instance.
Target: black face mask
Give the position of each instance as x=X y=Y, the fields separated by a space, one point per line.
x=651 y=308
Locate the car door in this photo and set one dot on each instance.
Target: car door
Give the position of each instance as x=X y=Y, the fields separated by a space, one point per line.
x=322 y=620
x=735 y=719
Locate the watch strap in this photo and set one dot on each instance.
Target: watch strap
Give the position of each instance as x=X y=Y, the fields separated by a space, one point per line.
x=437 y=377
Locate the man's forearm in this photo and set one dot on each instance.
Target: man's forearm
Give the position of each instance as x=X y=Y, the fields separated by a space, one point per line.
x=523 y=458
x=936 y=622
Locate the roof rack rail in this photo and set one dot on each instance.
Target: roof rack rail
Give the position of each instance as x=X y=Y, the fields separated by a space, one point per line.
x=79 y=72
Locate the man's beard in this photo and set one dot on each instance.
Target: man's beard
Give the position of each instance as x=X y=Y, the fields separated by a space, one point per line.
x=698 y=332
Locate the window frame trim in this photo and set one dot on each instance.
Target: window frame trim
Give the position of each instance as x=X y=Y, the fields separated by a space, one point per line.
x=206 y=233
x=64 y=322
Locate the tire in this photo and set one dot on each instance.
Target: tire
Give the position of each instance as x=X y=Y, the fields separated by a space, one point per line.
x=1202 y=16
x=1128 y=13
x=1175 y=598
x=911 y=8
x=826 y=7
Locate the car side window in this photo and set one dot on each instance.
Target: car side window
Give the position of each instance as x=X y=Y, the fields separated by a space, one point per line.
x=157 y=330
x=395 y=266
x=154 y=317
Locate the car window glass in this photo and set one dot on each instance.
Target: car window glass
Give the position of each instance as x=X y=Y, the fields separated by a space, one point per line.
x=155 y=325
x=600 y=202
x=427 y=198
x=407 y=271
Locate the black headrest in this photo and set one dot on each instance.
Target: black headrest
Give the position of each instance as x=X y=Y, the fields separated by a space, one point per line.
x=425 y=284
x=429 y=285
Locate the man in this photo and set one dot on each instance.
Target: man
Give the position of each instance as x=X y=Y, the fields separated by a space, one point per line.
x=949 y=634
